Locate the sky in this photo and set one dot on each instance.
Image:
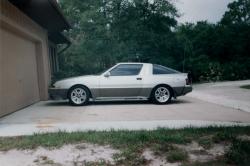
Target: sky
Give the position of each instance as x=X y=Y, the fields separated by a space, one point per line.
x=197 y=10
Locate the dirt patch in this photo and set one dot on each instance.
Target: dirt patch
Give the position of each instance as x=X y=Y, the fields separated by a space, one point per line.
x=196 y=153
x=199 y=153
x=244 y=137
x=85 y=153
x=68 y=155
x=156 y=160
x=218 y=150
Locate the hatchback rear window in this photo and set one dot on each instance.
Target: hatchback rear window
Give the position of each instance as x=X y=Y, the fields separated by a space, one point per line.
x=158 y=69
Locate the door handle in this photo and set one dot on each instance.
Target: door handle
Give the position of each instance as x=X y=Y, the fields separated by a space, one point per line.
x=139 y=78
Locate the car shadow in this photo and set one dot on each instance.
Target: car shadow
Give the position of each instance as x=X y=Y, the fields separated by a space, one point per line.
x=127 y=102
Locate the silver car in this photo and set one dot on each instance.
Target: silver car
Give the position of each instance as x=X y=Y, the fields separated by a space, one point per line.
x=130 y=81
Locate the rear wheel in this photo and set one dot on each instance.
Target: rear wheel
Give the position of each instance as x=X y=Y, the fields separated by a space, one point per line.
x=162 y=95
x=78 y=95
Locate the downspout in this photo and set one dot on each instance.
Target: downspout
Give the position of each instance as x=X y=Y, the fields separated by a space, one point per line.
x=59 y=53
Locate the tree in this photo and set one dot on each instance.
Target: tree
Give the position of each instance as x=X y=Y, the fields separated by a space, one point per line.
x=239 y=13
x=108 y=31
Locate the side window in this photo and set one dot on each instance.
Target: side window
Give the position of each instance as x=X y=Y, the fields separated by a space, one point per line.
x=126 y=70
x=158 y=69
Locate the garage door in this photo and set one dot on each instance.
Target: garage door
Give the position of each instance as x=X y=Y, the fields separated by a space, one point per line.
x=19 y=72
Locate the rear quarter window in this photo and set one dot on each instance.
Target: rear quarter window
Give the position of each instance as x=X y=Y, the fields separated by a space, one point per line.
x=158 y=69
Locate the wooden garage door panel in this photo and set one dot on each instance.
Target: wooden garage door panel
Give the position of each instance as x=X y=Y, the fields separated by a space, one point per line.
x=20 y=83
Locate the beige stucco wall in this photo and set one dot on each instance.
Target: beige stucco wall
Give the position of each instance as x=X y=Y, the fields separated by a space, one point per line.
x=1 y=74
x=19 y=26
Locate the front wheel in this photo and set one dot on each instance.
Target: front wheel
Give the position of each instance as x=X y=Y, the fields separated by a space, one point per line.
x=78 y=95
x=162 y=95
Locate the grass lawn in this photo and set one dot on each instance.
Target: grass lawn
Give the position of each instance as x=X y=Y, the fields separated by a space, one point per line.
x=165 y=143
x=245 y=87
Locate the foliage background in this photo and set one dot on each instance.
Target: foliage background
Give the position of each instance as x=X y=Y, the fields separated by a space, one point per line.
x=109 y=31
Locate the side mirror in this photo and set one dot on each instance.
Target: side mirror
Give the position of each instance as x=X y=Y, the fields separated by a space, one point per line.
x=107 y=74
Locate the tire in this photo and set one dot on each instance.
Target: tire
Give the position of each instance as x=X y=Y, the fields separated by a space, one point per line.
x=162 y=94
x=78 y=95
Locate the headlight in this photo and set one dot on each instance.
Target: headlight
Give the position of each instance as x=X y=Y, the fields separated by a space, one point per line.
x=55 y=85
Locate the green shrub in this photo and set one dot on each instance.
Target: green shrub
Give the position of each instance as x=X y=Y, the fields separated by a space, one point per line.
x=236 y=70
x=239 y=153
x=223 y=136
x=177 y=155
x=205 y=142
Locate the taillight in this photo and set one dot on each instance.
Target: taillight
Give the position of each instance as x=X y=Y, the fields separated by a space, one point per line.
x=187 y=82
x=189 y=79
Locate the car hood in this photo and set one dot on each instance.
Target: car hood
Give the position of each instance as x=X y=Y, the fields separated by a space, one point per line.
x=76 y=78
x=68 y=82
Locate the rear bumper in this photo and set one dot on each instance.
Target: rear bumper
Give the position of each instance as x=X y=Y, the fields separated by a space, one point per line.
x=181 y=91
x=58 y=94
x=187 y=89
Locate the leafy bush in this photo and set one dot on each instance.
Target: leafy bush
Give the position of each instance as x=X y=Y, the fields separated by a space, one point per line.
x=237 y=70
x=177 y=155
x=239 y=153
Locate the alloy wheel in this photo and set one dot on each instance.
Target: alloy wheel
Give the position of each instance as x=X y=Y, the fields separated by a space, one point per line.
x=162 y=94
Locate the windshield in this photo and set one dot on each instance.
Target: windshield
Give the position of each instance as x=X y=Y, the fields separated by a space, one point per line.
x=101 y=72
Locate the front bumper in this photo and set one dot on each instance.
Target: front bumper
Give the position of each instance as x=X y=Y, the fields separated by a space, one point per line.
x=58 y=94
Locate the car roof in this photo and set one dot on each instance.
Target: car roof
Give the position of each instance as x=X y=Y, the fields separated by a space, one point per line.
x=132 y=63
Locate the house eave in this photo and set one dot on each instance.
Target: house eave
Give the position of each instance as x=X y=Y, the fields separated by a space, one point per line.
x=46 y=13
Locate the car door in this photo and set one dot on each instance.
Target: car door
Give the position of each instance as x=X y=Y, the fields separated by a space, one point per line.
x=124 y=80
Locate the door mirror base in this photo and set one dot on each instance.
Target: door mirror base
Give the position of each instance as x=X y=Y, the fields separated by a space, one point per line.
x=107 y=74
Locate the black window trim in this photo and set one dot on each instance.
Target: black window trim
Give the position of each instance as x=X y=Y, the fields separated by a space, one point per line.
x=126 y=75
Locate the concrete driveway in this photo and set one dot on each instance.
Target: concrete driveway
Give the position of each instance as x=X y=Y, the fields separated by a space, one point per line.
x=187 y=111
x=227 y=94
